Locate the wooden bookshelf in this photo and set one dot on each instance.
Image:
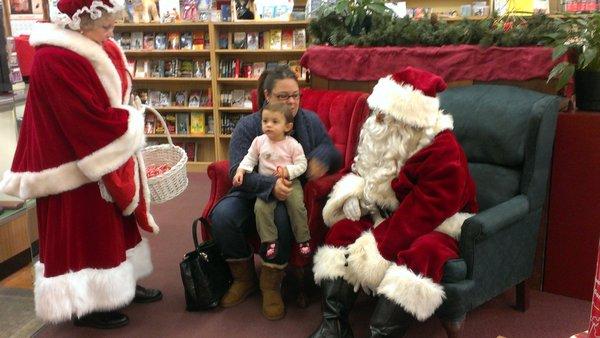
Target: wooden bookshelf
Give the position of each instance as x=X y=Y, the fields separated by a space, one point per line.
x=214 y=146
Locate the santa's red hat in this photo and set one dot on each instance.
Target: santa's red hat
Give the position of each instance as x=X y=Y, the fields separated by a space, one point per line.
x=71 y=10
x=409 y=96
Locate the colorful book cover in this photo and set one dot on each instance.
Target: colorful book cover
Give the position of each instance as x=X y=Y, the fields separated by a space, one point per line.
x=160 y=41
x=275 y=39
x=174 y=39
x=150 y=124
x=154 y=98
x=186 y=69
x=183 y=123
x=149 y=40
x=198 y=40
x=164 y=98
x=194 y=99
x=299 y=39
x=180 y=98
x=197 y=123
x=287 y=39
x=126 y=40
x=239 y=40
x=186 y=40
x=252 y=40
x=171 y=122
x=137 y=40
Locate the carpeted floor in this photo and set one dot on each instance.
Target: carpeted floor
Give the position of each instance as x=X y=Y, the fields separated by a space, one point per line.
x=17 y=313
x=550 y=316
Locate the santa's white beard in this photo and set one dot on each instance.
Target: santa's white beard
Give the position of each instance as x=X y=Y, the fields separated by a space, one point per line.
x=382 y=150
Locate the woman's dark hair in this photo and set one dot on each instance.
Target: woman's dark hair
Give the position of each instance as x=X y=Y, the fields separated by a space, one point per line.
x=268 y=78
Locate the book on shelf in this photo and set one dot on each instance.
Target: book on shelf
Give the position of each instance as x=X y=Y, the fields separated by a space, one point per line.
x=258 y=68
x=299 y=38
x=239 y=40
x=174 y=40
x=287 y=39
x=157 y=68
x=183 y=123
x=137 y=40
x=223 y=40
x=149 y=123
x=160 y=41
x=210 y=124
x=194 y=98
x=186 y=69
x=171 y=122
x=180 y=98
x=252 y=40
x=275 y=39
x=189 y=10
x=154 y=98
x=204 y=8
x=168 y=10
x=143 y=95
x=190 y=150
x=159 y=128
x=186 y=40
x=149 y=40
x=198 y=40
x=164 y=98
x=197 y=123
x=125 y=40
x=237 y=98
x=142 y=68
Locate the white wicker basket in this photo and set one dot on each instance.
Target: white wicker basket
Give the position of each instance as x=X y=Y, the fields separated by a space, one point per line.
x=173 y=182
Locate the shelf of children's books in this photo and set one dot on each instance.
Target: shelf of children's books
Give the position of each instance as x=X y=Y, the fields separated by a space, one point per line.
x=228 y=80
x=172 y=52
x=170 y=80
x=260 y=51
x=183 y=109
x=259 y=23
x=235 y=109
x=162 y=26
x=208 y=136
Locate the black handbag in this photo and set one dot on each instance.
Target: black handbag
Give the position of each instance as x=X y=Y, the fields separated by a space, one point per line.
x=205 y=274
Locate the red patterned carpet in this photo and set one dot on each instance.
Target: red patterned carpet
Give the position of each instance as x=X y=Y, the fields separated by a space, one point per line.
x=550 y=316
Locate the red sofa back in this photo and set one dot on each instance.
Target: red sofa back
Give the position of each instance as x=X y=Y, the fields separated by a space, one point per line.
x=342 y=113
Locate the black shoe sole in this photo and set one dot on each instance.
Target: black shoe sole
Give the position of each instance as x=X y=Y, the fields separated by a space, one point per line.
x=147 y=300
x=116 y=325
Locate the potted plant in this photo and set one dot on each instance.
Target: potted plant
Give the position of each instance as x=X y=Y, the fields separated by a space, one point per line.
x=578 y=38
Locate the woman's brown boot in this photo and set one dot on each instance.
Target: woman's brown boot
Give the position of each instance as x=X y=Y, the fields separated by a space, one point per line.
x=244 y=282
x=270 y=286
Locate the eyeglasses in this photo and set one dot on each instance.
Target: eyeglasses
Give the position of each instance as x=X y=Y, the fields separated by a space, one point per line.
x=286 y=96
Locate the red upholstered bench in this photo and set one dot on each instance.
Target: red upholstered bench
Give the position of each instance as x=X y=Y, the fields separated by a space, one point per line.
x=343 y=114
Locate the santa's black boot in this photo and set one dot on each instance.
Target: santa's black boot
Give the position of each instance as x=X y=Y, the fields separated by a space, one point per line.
x=388 y=319
x=338 y=298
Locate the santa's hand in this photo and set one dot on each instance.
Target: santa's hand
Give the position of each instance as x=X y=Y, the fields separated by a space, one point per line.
x=351 y=209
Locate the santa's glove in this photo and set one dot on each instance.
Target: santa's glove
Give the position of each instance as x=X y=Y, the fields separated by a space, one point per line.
x=351 y=209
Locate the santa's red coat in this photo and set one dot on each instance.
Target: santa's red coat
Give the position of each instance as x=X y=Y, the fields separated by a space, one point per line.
x=403 y=257
x=79 y=155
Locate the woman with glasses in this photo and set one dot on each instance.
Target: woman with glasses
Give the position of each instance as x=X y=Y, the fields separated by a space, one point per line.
x=233 y=217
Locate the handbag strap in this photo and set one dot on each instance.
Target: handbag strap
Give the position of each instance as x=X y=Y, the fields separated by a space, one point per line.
x=204 y=221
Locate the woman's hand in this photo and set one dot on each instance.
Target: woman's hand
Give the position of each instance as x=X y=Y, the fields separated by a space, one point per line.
x=282 y=189
x=315 y=169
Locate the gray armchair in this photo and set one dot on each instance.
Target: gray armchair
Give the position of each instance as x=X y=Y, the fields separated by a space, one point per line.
x=507 y=134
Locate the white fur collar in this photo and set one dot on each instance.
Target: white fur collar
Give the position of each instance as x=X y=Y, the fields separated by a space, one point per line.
x=52 y=34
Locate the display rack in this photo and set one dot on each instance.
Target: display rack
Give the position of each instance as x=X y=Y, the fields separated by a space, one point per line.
x=212 y=145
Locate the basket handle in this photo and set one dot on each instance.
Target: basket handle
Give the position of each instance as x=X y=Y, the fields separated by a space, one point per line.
x=161 y=120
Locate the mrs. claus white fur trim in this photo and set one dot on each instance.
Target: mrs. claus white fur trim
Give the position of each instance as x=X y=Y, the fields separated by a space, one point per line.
x=417 y=294
x=88 y=290
x=404 y=102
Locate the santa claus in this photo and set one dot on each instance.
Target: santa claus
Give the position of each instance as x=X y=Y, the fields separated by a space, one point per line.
x=396 y=217
x=79 y=156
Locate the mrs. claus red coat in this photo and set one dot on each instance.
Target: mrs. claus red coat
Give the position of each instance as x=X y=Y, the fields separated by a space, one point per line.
x=78 y=155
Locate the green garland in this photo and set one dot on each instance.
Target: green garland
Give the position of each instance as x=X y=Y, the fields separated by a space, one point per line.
x=383 y=30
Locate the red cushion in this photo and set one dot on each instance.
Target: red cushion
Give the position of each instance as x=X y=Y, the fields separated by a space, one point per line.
x=25 y=54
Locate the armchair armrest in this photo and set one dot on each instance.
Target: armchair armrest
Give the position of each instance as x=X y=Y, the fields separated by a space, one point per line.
x=220 y=183
x=486 y=224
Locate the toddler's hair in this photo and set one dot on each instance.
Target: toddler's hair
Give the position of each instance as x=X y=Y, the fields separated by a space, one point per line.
x=281 y=108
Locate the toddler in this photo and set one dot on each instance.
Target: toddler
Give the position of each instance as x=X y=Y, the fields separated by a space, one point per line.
x=279 y=154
